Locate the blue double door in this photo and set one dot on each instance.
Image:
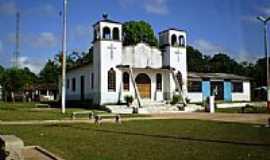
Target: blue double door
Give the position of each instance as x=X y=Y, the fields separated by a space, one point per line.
x=221 y=89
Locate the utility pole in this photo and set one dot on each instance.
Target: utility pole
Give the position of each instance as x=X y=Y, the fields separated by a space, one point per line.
x=265 y=20
x=16 y=54
x=64 y=50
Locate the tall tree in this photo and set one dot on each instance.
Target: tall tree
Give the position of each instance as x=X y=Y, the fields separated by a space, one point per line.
x=225 y=64
x=2 y=70
x=14 y=81
x=196 y=61
x=50 y=73
x=138 y=31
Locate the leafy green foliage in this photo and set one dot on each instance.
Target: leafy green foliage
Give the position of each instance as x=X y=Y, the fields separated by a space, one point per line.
x=224 y=64
x=176 y=99
x=128 y=99
x=15 y=79
x=196 y=61
x=139 y=31
x=50 y=73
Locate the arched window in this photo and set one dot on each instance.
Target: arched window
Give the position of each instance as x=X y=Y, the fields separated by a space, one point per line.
x=116 y=35
x=179 y=79
x=111 y=80
x=159 y=82
x=126 y=81
x=106 y=33
x=174 y=40
x=182 y=41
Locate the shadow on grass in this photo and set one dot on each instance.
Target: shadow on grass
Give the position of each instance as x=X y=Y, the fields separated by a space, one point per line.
x=185 y=138
x=169 y=137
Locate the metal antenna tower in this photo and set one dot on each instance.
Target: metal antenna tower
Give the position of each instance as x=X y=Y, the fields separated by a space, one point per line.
x=16 y=54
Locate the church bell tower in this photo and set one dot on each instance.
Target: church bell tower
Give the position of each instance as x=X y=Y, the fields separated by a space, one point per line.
x=107 y=43
x=173 y=45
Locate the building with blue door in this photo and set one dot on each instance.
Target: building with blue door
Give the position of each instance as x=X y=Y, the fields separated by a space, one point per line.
x=225 y=87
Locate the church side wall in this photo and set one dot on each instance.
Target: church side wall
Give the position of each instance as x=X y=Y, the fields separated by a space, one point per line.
x=89 y=92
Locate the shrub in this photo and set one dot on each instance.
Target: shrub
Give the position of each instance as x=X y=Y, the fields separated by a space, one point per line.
x=176 y=99
x=129 y=99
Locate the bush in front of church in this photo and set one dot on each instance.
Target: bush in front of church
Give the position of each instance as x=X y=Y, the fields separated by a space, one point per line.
x=176 y=99
x=129 y=99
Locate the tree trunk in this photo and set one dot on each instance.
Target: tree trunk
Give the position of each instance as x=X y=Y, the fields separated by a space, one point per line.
x=12 y=97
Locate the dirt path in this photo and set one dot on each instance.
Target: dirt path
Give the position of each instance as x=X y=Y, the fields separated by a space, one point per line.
x=224 y=117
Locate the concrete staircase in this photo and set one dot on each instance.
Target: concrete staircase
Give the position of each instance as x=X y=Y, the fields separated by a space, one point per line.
x=121 y=109
x=162 y=107
x=193 y=108
x=150 y=107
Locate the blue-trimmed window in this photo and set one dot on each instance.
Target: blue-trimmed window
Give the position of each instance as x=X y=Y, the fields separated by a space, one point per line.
x=194 y=86
x=237 y=87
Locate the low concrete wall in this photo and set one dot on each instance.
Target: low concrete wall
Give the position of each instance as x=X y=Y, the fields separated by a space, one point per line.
x=11 y=147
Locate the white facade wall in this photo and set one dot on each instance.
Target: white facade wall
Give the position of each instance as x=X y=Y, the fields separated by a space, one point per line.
x=245 y=96
x=106 y=63
x=141 y=56
x=195 y=97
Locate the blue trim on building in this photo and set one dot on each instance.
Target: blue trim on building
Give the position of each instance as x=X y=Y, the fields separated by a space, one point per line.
x=206 y=89
x=227 y=91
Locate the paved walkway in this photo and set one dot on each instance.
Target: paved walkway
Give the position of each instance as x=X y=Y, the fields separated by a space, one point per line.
x=223 y=117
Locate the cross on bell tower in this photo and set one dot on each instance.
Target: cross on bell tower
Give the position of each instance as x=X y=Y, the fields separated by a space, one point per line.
x=111 y=48
x=178 y=56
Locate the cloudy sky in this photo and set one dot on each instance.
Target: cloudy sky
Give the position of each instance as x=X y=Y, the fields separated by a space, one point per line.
x=213 y=26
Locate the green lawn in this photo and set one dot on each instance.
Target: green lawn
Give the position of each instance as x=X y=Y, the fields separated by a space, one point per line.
x=248 y=110
x=28 y=111
x=149 y=140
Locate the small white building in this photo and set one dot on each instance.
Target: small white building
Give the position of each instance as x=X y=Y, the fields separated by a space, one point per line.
x=145 y=72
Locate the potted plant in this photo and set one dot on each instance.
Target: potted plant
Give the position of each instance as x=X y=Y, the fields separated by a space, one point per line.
x=129 y=99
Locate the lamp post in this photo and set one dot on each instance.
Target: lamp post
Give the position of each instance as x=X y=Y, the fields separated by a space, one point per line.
x=264 y=21
x=64 y=50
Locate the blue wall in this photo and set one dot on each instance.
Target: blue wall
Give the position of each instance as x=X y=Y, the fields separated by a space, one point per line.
x=206 y=89
x=227 y=91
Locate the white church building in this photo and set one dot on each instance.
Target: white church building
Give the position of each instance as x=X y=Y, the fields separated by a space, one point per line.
x=147 y=73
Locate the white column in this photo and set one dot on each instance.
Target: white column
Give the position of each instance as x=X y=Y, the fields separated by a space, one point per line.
x=212 y=104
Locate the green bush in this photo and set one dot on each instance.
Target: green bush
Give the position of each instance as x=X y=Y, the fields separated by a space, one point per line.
x=176 y=99
x=129 y=99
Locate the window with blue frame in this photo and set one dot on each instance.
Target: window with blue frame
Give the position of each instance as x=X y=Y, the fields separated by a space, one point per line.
x=237 y=87
x=194 y=86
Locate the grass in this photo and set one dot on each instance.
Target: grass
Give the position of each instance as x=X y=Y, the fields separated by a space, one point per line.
x=28 y=111
x=247 y=110
x=149 y=140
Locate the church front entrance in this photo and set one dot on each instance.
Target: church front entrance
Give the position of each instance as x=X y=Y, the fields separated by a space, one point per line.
x=144 y=85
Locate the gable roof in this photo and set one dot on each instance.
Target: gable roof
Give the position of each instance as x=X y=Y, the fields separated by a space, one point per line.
x=218 y=76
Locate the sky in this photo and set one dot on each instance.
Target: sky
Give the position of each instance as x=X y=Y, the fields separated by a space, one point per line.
x=228 y=26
